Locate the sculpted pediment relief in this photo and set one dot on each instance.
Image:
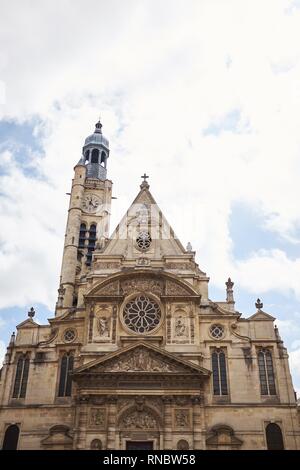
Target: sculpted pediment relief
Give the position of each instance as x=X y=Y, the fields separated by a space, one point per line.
x=141 y=358
x=143 y=282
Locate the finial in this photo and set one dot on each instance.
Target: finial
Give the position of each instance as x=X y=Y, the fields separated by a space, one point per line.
x=229 y=291
x=144 y=183
x=12 y=339
x=258 y=304
x=189 y=247
x=98 y=127
x=31 y=312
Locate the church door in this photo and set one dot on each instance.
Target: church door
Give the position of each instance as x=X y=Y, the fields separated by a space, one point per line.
x=139 y=445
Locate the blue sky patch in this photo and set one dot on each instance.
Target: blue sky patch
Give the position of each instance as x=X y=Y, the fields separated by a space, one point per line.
x=249 y=234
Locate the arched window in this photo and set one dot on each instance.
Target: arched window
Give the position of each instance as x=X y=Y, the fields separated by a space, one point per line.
x=274 y=437
x=266 y=372
x=65 y=380
x=103 y=157
x=82 y=233
x=87 y=154
x=95 y=156
x=219 y=372
x=92 y=243
x=21 y=377
x=96 y=444
x=11 y=437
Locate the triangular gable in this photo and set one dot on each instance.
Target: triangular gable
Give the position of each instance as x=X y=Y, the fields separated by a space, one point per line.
x=144 y=207
x=261 y=316
x=141 y=357
x=28 y=323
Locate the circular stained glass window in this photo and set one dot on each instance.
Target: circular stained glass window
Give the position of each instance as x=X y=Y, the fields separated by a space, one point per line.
x=217 y=331
x=69 y=336
x=141 y=314
x=143 y=240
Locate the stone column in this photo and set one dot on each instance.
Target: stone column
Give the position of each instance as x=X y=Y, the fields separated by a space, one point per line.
x=167 y=431
x=81 y=422
x=112 y=442
x=197 y=422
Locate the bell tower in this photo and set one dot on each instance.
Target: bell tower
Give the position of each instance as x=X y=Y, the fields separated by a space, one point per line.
x=88 y=217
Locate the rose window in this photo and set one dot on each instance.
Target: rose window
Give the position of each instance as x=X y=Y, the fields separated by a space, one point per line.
x=141 y=314
x=143 y=240
x=217 y=331
x=69 y=336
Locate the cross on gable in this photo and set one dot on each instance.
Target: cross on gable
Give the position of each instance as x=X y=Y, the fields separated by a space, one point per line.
x=145 y=177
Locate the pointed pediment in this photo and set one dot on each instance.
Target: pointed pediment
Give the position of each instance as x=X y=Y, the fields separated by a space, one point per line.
x=141 y=358
x=261 y=316
x=144 y=215
x=28 y=323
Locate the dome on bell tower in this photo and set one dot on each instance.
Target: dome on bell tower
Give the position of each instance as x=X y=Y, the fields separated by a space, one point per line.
x=95 y=153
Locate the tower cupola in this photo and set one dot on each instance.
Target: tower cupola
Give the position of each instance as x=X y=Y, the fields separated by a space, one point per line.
x=95 y=153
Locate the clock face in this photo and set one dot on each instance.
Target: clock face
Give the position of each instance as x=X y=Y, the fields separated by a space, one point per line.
x=90 y=203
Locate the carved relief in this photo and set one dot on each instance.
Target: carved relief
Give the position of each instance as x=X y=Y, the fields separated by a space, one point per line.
x=110 y=289
x=179 y=265
x=142 y=285
x=139 y=360
x=107 y=265
x=175 y=289
x=182 y=418
x=139 y=420
x=98 y=417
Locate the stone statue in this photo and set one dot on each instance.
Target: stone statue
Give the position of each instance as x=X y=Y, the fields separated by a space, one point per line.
x=180 y=327
x=103 y=326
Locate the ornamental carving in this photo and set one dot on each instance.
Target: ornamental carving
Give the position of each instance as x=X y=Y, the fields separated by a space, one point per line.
x=110 y=289
x=179 y=265
x=182 y=418
x=97 y=417
x=142 y=285
x=108 y=265
x=139 y=420
x=139 y=360
x=175 y=289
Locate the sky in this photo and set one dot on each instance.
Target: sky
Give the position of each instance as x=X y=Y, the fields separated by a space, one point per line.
x=202 y=95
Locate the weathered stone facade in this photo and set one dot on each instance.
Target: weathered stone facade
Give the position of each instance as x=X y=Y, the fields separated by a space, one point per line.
x=150 y=359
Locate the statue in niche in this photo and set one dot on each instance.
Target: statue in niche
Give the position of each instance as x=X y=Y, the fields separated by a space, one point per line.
x=180 y=326
x=103 y=326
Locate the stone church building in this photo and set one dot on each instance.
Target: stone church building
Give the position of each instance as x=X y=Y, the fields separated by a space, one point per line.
x=137 y=355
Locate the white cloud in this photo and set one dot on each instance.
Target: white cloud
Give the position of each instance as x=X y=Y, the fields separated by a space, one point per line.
x=159 y=77
x=294 y=360
x=2 y=352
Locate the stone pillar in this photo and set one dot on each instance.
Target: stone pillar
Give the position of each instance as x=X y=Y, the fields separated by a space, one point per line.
x=112 y=442
x=69 y=263
x=167 y=431
x=197 y=422
x=81 y=422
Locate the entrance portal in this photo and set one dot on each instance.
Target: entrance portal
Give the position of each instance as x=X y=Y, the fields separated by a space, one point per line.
x=139 y=445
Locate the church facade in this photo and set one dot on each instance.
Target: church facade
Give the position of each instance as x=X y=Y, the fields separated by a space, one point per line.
x=137 y=356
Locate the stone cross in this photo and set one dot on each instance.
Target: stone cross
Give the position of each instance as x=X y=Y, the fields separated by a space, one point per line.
x=145 y=177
